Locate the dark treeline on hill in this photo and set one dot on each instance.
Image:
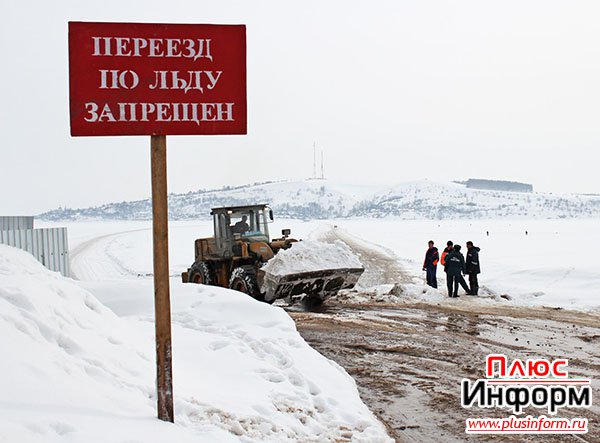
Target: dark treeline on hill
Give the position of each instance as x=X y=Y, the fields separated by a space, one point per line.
x=322 y=199
x=498 y=185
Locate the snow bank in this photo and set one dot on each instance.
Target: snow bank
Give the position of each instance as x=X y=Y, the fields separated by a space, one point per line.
x=73 y=371
x=311 y=255
x=257 y=376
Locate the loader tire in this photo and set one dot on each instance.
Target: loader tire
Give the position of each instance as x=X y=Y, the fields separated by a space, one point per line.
x=311 y=302
x=201 y=273
x=243 y=279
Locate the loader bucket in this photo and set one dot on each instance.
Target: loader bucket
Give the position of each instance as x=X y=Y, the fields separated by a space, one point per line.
x=322 y=284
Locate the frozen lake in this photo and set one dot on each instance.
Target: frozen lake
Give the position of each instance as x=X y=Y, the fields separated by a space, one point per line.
x=553 y=265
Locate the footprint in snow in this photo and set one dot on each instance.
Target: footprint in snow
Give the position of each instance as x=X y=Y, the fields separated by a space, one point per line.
x=269 y=324
x=216 y=345
x=114 y=341
x=62 y=428
x=296 y=379
x=274 y=377
x=313 y=388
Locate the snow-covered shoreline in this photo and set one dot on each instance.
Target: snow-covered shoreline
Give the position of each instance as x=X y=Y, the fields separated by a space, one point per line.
x=545 y=267
x=324 y=199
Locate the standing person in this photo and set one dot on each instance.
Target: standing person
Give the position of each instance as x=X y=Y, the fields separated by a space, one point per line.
x=449 y=247
x=430 y=264
x=455 y=268
x=473 y=267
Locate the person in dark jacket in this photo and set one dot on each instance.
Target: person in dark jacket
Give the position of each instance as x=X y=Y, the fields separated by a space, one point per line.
x=455 y=268
x=449 y=248
x=430 y=264
x=242 y=226
x=473 y=268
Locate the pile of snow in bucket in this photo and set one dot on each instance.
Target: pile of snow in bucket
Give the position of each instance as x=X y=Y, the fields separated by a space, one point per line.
x=312 y=255
x=74 y=371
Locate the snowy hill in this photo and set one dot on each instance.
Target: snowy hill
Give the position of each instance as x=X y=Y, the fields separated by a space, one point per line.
x=438 y=201
x=323 y=199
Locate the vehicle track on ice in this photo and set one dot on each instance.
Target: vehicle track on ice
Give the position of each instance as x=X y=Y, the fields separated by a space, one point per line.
x=408 y=358
x=91 y=260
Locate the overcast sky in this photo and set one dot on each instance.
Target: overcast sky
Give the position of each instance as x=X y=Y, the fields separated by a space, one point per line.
x=391 y=90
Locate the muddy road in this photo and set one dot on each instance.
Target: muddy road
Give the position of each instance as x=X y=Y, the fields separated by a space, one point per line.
x=408 y=356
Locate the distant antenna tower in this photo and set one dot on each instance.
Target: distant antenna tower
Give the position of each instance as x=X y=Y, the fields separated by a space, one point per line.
x=322 y=175
x=314 y=160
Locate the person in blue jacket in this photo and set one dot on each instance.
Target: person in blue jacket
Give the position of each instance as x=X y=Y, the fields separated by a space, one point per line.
x=430 y=264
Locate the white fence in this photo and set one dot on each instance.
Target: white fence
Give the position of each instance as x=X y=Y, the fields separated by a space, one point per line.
x=10 y=223
x=48 y=245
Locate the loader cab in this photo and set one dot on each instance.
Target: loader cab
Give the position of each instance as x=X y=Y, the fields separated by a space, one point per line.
x=240 y=223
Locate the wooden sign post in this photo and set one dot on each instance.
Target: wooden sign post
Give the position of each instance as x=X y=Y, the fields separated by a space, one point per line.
x=157 y=80
x=162 y=300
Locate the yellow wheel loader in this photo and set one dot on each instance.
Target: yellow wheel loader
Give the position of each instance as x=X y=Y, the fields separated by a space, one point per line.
x=241 y=246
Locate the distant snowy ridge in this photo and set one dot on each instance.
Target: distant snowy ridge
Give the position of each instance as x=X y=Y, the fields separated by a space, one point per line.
x=323 y=199
x=429 y=200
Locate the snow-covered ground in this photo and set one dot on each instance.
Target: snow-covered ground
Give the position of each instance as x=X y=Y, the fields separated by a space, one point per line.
x=553 y=265
x=79 y=360
x=74 y=370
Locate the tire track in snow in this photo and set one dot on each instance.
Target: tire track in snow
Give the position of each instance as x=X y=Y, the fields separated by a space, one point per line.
x=91 y=260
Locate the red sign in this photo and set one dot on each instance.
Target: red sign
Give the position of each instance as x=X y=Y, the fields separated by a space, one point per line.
x=157 y=79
